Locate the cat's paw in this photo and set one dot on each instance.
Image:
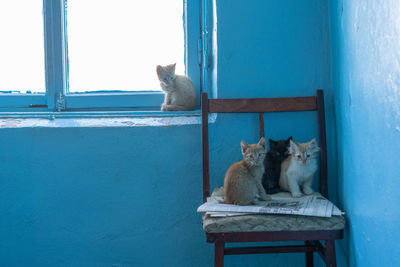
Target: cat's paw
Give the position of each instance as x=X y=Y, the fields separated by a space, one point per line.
x=266 y=197
x=308 y=190
x=296 y=194
x=163 y=107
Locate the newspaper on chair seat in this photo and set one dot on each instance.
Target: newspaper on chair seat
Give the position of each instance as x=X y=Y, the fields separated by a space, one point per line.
x=281 y=203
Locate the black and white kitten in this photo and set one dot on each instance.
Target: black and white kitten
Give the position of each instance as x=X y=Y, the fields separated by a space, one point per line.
x=278 y=152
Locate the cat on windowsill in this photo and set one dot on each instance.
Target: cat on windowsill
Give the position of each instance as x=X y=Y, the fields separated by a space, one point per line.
x=179 y=90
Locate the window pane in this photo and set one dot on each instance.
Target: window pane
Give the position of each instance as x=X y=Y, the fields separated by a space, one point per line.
x=22 y=46
x=116 y=45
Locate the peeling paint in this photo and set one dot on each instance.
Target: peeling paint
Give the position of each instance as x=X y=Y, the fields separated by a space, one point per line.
x=102 y=122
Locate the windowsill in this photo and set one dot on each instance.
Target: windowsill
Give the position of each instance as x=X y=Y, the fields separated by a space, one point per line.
x=99 y=114
x=101 y=119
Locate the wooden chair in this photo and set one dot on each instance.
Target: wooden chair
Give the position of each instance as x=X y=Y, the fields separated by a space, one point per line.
x=265 y=228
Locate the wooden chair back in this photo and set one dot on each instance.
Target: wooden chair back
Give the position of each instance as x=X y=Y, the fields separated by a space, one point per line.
x=262 y=105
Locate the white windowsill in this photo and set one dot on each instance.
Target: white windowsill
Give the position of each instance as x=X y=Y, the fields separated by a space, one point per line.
x=101 y=119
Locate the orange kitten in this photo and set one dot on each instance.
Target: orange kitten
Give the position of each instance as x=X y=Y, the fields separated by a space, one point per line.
x=242 y=182
x=179 y=90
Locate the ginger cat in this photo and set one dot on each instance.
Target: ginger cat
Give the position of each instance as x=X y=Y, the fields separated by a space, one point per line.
x=179 y=90
x=242 y=182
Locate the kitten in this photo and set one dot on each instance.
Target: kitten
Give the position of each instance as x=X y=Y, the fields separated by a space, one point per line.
x=242 y=182
x=278 y=151
x=179 y=89
x=299 y=168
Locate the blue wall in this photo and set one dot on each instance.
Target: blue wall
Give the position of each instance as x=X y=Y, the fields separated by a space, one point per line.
x=366 y=79
x=81 y=196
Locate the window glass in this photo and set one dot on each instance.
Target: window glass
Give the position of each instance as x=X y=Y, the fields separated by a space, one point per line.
x=116 y=45
x=22 y=46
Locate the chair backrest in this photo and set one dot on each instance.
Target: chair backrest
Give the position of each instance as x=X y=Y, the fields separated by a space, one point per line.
x=262 y=105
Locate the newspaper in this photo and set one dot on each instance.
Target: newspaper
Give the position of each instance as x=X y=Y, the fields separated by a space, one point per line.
x=281 y=203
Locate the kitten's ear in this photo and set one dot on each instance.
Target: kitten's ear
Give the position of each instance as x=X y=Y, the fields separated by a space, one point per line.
x=313 y=145
x=271 y=142
x=244 y=146
x=292 y=147
x=171 y=67
x=287 y=141
x=159 y=69
x=262 y=143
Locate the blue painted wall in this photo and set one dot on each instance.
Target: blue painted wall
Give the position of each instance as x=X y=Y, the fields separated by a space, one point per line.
x=127 y=196
x=366 y=79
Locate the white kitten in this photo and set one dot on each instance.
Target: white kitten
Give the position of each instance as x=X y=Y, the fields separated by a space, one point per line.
x=299 y=168
x=179 y=89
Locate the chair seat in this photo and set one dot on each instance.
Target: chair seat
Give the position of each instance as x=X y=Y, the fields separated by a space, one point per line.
x=270 y=222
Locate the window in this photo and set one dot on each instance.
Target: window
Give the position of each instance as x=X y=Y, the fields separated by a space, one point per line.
x=22 y=54
x=98 y=55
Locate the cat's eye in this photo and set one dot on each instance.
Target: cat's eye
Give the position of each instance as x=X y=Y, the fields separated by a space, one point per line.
x=298 y=156
x=308 y=155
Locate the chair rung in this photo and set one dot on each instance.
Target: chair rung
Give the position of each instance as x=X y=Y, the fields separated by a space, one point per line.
x=270 y=249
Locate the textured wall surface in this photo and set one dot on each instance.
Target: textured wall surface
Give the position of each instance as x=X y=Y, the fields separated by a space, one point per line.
x=366 y=81
x=127 y=196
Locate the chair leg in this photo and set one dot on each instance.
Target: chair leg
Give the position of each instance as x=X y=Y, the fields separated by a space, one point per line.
x=330 y=255
x=219 y=254
x=309 y=256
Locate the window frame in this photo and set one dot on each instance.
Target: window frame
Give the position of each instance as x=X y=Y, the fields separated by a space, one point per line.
x=58 y=99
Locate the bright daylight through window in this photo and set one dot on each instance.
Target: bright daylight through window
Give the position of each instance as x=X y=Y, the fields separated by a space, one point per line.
x=116 y=45
x=22 y=47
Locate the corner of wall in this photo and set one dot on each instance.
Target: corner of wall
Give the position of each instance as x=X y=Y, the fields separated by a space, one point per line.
x=214 y=53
